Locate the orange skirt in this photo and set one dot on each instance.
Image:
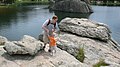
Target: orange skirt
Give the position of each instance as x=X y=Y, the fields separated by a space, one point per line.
x=52 y=41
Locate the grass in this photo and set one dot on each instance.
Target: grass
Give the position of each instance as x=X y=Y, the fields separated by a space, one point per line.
x=35 y=2
x=31 y=2
x=80 y=56
x=101 y=63
x=7 y=6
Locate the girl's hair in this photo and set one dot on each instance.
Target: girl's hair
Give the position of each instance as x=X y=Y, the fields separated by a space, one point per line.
x=55 y=17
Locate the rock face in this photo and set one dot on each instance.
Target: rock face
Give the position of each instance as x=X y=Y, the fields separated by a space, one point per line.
x=94 y=49
x=72 y=6
x=27 y=45
x=86 y=28
x=2 y=40
x=42 y=59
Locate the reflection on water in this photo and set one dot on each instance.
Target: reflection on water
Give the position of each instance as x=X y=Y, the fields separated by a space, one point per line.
x=26 y=20
x=6 y=14
x=63 y=15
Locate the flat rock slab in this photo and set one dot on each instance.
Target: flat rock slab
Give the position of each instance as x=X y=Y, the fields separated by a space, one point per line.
x=86 y=28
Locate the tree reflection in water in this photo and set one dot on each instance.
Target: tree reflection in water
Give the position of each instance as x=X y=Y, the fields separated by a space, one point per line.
x=63 y=15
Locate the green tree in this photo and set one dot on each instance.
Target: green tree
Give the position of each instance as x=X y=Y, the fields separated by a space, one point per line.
x=105 y=1
x=7 y=1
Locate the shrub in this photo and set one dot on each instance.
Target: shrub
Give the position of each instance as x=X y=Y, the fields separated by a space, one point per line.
x=101 y=63
x=80 y=56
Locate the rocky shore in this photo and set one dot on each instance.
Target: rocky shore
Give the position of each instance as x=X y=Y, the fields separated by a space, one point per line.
x=74 y=34
x=28 y=53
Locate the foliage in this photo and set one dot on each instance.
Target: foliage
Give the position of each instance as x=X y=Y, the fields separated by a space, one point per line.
x=80 y=56
x=106 y=2
x=20 y=2
x=100 y=63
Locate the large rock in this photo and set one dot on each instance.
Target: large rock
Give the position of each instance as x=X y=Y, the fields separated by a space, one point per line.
x=7 y=63
x=86 y=28
x=42 y=59
x=2 y=40
x=94 y=50
x=72 y=6
x=27 y=45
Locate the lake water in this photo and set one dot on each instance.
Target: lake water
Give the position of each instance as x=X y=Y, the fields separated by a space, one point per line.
x=109 y=16
x=27 y=20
